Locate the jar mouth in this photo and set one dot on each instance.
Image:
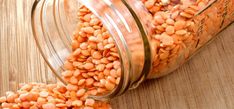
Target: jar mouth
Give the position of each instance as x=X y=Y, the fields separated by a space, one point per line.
x=130 y=77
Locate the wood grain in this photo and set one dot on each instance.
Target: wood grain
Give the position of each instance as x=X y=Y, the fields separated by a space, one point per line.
x=20 y=61
x=205 y=82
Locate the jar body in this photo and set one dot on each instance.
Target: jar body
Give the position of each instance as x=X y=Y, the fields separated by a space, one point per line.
x=153 y=37
x=177 y=29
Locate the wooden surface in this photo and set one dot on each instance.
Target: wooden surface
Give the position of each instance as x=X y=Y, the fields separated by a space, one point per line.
x=205 y=82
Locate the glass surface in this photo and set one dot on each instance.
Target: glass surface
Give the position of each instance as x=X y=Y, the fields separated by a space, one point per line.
x=152 y=41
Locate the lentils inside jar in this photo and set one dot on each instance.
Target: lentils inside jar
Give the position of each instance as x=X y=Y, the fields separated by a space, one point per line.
x=94 y=63
x=174 y=38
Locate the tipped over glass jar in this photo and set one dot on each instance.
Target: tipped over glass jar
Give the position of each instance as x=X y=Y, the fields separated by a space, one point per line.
x=114 y=45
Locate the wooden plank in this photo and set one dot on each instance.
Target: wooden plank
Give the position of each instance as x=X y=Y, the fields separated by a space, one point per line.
x=205 y=82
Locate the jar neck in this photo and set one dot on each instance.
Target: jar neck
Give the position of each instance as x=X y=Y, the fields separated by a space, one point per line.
x=128 y=23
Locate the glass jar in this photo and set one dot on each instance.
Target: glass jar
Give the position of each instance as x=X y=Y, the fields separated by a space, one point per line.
x=152 y=41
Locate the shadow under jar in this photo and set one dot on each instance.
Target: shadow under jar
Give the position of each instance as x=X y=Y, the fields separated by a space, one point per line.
x=153 y=37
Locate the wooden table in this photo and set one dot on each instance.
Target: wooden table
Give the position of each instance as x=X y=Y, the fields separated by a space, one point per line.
x=205 y=82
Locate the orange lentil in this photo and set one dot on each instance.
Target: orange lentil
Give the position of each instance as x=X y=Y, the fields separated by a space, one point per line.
x=2 y=99
x=100 y=67
x=89 y=102
x=170 y=30
x=180 y=24
x=77 y=52
x=106 y=72
x=111 y=79
x=118 y=72
x=109 y=65
x=11 y=97
x=71 y=87
x=97 y=55
x=77 y=103
x=75 y=44
x=94 y=21
x=67 y=73
x=85 y=53
x=89 y=81
x=109 y=85
x=68 y=65
x=149 y=4
x=170 y=21
x=88 y=66
x=88 y=30
x=49 y=106
x=26 y=87
x=76 y=73
x=175 y=14
x=109 y=46
x=186 y=15
x=26 y=105
x=81 y=82
x=181 y=32
x=158 y=19
x=73 y=80
x=113 y=73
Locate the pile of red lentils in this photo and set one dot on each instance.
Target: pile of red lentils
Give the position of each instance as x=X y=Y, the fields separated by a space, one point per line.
x=93 y=68
x=52 y=96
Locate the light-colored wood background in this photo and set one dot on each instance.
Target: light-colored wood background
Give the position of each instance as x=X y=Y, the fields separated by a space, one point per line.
x=205 y=82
